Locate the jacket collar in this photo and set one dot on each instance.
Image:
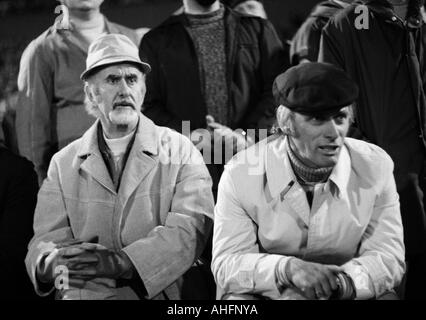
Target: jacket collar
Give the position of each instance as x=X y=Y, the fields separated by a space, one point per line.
x=385 y=9
x=341 y=172
x=279 y=173
x=145 y=139
x=325 y=9
x=181 y=17
x=280 y=176
x=142 y=157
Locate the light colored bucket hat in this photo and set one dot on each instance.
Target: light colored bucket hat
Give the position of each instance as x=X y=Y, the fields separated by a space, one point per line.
x=113 y=48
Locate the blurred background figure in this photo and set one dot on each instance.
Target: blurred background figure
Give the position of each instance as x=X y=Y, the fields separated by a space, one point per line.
x=222 y=85
x=18 y=196
x=253 y=7
x=382 y=47
x=305 y=44
x=50 y=108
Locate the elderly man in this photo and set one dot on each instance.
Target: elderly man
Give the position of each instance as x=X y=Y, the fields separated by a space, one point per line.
x=50 y=108
x=310 y=214
x=126 y=209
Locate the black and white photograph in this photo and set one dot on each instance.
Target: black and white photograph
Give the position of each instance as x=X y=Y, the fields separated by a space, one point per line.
x=213 y=155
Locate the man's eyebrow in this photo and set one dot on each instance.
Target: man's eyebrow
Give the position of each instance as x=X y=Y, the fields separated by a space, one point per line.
x=113 y=76
x=131 y=75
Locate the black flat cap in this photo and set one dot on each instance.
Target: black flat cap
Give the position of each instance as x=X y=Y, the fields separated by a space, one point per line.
x=314 y=88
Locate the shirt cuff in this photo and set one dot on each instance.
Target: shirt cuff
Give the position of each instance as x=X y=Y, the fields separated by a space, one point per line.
x=364 y=287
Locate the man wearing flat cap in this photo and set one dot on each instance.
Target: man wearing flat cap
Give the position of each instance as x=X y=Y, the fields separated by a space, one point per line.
x=126 y=209
x=309 y=214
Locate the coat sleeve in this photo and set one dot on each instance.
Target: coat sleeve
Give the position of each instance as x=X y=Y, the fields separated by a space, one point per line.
x=154 y=106
x=380 y=263
x=237 y=264
x=306 y=42
x=332 y=44
x=169 y=250
x=51 y=224
x=272 y=64
x=33 y=112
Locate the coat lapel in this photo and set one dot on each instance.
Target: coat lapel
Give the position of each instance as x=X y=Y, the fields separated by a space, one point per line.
x=142 y=158
x=282 y=182
x=92 y=161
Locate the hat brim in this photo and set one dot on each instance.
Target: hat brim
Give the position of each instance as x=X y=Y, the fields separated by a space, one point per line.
x=324 y=112
x=144 y=67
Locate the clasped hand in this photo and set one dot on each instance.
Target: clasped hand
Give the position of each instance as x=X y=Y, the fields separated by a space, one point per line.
x=313 y=280
x=84 y=261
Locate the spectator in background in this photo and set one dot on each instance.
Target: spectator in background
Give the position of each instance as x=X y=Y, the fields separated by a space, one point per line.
x=306 y=42
x=213 y=67
x=50 y=107
x=253 y=7
x=384 y=52
x=18 y=196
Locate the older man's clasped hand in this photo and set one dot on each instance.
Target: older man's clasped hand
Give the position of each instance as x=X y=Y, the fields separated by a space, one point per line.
x=84 y=261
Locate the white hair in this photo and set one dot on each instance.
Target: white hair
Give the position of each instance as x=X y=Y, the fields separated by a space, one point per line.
x=285 y=118
x=91 y=106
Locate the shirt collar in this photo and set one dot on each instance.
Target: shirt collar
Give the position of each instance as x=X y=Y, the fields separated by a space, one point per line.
x=279 y=173
x=341 y=172
x=145 y=138
x=280 y=176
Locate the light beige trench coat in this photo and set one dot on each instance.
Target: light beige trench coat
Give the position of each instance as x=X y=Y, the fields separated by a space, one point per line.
x=161 y=215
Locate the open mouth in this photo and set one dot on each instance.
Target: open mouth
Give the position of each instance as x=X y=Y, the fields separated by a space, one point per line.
x=123 y=105
x=329 y=149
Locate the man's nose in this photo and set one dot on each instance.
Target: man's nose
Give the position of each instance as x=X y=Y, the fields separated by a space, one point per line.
x=124 y=89
x=331 y=129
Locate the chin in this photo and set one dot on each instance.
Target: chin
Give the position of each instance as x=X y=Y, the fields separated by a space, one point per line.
x=123 y=118
x=329 y=162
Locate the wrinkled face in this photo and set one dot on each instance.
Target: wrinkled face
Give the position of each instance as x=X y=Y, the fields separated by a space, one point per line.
x=118 y=91
x=318 y=140
x=82 y=4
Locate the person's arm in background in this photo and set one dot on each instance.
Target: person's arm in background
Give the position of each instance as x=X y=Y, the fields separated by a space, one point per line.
x=333 y=46
x=33 y=110
x=154 y=106
x=306 y=42
x=272 y=63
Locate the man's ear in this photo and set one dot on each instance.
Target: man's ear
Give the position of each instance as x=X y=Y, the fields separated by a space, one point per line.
x=280 y=115
x=89 y=93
